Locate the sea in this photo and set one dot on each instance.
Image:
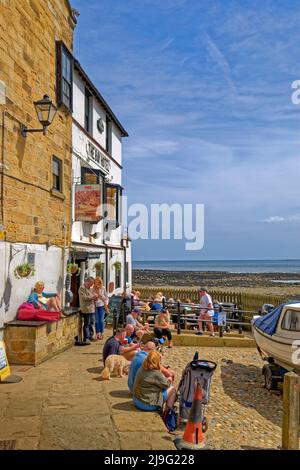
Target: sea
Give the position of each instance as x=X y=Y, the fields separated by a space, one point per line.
x=291 y=266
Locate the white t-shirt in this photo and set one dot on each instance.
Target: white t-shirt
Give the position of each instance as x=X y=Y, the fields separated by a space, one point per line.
x=204 y=302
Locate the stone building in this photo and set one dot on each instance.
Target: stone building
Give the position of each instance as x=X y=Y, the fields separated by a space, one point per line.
x=36 y=42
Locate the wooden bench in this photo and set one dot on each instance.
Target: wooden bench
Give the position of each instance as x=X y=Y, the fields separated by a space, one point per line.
x=32 y=342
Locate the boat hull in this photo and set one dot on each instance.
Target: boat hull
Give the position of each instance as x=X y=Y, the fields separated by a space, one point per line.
x=283 y=351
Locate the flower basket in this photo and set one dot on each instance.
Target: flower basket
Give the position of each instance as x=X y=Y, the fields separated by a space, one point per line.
x=117 y=265
x=98 y=266
x=73 y=268
x=24 y=271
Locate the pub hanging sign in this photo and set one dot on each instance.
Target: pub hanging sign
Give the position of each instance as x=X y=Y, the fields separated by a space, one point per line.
x=88 y=203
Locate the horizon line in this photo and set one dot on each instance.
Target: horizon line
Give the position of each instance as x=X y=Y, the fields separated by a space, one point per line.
x=205 y=260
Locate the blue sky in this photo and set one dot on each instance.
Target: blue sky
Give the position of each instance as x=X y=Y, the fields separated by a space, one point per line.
x=204 y=90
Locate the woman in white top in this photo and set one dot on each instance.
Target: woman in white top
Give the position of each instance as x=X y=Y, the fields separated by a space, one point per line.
x=100 y=302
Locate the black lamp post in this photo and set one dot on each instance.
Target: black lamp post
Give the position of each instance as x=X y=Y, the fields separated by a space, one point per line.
x=45 y=111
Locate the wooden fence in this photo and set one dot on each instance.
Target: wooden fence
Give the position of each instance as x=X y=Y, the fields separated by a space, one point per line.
x=245 y=301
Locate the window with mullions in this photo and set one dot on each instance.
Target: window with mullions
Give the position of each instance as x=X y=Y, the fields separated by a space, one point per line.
x=56 y=174
x=113 y=194
x=64 y=72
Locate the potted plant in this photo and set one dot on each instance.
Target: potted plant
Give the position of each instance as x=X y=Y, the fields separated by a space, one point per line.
x=73 y=268
x=24 y=270
x=98 y=267
x=117 y=265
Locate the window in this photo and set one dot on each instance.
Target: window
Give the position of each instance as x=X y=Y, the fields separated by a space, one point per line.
x=291 y=321
x=113 y=195
x=117 y=278
x=87 y=111
x=64 y=71
x=56 y=174
x=108 y=135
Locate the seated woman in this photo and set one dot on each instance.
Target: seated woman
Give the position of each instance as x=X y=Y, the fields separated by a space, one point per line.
x=162 y=326
x=151 y=388
x=41 y=299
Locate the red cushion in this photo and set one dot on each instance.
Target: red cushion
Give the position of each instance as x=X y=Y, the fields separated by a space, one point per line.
x=27 y=314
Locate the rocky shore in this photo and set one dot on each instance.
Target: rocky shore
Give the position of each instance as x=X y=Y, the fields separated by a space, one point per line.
x=261 y=282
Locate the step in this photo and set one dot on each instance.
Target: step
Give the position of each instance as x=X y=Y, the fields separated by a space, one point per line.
x=216 y=341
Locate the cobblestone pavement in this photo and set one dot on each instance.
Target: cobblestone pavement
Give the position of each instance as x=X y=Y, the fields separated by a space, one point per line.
x=63 y=404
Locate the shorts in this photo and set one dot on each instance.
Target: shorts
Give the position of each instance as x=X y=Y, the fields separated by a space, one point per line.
x=205 y=316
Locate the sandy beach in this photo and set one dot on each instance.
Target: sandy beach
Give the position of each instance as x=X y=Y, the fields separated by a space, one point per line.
x=255 y=283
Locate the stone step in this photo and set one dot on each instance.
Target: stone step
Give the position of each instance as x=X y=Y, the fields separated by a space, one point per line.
x=208 y=341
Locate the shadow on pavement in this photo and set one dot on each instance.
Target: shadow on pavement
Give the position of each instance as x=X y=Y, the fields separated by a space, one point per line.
x=120 y=393
x=127 y=406
x=244 y=384
x=95 y=370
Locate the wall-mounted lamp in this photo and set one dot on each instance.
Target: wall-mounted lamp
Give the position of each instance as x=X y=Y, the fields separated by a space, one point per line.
x=45 y=111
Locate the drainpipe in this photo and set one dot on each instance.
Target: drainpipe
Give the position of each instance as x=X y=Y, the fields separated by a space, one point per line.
x=106 y=267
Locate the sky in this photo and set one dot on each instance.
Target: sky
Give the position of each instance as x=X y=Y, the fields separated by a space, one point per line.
x=204 y=89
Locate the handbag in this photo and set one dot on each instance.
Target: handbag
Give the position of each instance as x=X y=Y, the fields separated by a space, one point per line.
x=106 y=310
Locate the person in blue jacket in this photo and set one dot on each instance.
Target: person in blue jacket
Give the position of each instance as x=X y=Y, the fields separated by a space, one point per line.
x=47 y=301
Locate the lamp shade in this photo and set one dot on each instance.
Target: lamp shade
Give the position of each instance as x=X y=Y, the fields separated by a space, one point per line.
x=45 y=110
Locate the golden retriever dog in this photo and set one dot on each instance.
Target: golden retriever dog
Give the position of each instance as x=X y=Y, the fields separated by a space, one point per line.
x=117 y=364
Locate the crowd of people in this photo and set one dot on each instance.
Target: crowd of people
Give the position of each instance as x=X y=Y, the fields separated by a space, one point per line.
x=149 y=380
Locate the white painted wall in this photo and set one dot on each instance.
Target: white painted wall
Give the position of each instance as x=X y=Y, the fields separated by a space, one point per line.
x=80 y=230
x=78 y=98
x=13 y=291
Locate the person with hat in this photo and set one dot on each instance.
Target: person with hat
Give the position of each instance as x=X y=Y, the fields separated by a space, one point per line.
x=206 y=312
x=162 y=326
x=132 y=319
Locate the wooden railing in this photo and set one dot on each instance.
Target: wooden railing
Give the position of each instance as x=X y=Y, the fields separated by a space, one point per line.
x=246 y=301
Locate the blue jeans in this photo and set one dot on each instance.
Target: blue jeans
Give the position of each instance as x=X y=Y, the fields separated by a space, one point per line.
x=100 y=315
x=88 y=325
x=142 y=406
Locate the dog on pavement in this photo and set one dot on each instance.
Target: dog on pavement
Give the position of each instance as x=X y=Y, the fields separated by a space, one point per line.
x=117 y=364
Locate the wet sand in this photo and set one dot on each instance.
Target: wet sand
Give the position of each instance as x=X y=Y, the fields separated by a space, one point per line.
x=256 y=283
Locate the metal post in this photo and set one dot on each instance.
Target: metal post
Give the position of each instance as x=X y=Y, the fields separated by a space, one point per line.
x=240 y=325
x=290 y=421
x=184 y=319
x=178 y=319
x=115 y=321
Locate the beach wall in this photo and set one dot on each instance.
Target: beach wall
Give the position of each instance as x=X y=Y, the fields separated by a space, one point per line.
x=250 y=302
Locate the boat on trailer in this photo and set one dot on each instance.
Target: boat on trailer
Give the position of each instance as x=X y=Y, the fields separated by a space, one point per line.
x=277 y=336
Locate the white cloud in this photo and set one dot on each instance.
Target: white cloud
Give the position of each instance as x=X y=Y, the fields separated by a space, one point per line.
x=276 y=219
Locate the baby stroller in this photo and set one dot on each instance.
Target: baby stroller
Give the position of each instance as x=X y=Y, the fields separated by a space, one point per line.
x=199 y=371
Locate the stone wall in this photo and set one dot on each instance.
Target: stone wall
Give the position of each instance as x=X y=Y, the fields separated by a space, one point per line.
x=27 y=344
x=31 y=212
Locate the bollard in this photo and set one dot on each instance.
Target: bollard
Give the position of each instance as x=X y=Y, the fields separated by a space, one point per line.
x=164 y=302
x=178 y=319
x=290 y=418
